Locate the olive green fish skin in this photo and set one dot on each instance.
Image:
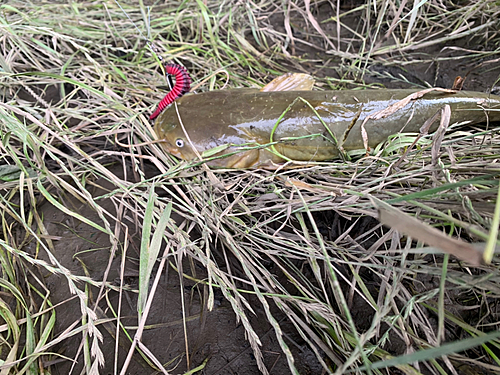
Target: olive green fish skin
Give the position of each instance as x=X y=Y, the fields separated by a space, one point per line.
x=243 y=116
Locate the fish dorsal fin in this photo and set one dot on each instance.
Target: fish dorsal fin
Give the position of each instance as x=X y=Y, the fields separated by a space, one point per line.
x=290 y=82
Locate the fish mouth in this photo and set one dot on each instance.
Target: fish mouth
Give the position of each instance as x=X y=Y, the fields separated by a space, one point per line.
x=175 y=152
x=167 y=146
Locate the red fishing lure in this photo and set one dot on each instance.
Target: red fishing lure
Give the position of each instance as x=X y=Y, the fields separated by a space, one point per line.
x=182 y=86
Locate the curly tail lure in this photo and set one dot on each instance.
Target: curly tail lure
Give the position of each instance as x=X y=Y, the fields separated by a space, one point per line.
x=182 y=86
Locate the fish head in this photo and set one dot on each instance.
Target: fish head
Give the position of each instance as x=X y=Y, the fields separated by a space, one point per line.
x=173 y=139
x=199 y=124
x=172 y=136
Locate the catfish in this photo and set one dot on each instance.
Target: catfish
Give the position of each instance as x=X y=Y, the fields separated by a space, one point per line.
x=287 y=120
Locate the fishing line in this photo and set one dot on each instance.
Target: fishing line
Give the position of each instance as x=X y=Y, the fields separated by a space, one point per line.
x=182 y=78
x=148 y=43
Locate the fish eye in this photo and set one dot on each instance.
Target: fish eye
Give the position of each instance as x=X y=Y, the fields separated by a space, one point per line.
x=179 y=142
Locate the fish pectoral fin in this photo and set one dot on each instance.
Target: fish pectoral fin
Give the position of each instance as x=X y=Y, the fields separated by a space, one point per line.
x=290 y=82
x=246 y=159
x=243 y=159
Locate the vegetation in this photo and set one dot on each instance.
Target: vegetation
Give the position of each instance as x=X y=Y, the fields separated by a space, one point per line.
x=299 y=251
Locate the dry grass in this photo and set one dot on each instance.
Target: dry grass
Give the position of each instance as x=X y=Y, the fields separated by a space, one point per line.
x=78 y=81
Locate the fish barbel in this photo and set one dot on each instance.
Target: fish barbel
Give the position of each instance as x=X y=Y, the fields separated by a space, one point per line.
x=301 y=124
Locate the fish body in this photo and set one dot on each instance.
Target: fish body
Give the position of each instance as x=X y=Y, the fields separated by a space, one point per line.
x=307 y=125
